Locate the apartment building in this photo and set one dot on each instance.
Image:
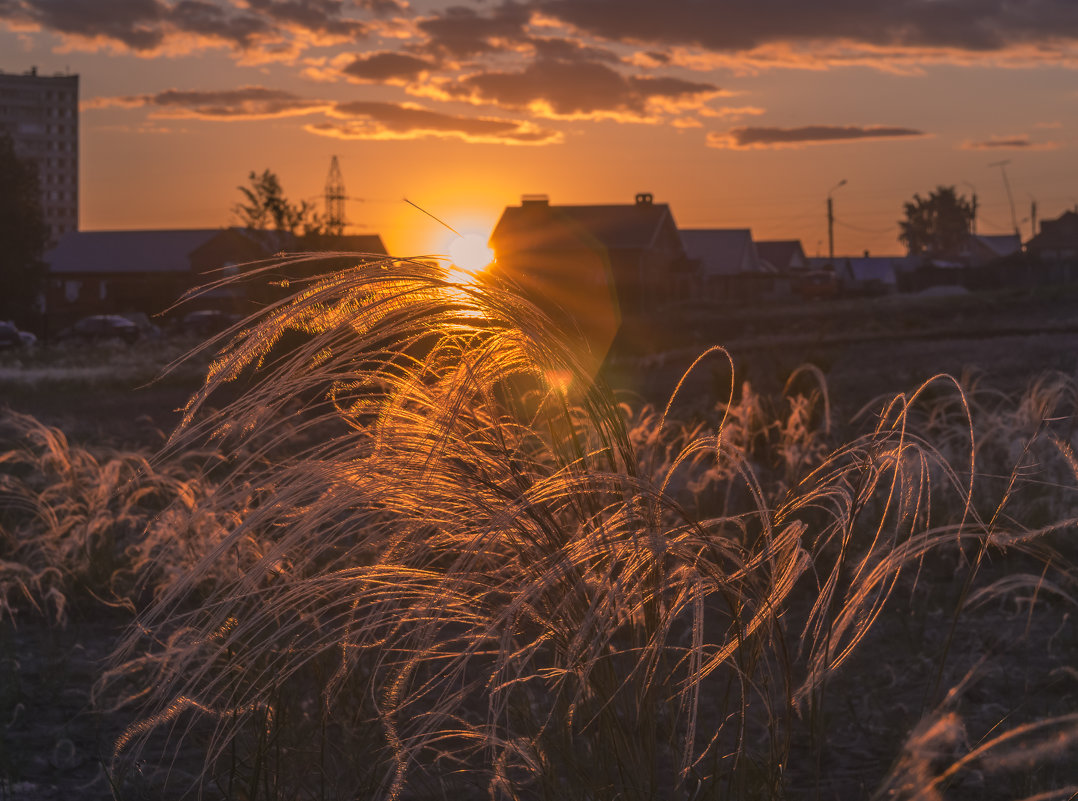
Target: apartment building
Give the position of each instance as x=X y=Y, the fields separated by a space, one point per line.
x=41 y=115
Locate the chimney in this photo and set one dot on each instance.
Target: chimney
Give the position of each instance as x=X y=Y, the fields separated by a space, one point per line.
x=644 y=198
x=534 y=200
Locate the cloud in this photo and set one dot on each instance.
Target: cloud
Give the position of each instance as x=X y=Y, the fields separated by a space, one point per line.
x=387 y=66
x=580 y=89
x=378 y=120
x=214 y=22
x=316 y=16
x=1016 y=142
x=150 y=26
x=136 y=24
x=764 y=137
x=734 y=26
x=732 y=112
x=461 y=32
x=245 y=103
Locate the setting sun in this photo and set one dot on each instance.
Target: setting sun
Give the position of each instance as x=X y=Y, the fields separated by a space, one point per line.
x=470 y=253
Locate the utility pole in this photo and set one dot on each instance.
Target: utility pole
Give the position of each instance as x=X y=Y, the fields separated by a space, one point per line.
x=973 y=208
x=1033 y=216
x=335 y=196
x=1010 y=198
x=831 y=221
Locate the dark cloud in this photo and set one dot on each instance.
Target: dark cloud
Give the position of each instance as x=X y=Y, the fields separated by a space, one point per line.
x=146 y=25
x=577 y=88
x=1018 y=142
x=138 y=24
x=214 y=22
x=352 y=120
x=376 y=120
x=387 y=66
x=318 y=16
x=762 y=137
x=248 y=102
x=461 y=32
x=560 y=49
x=735 y=25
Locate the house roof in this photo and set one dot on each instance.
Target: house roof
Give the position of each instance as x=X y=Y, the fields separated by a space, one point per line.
x=537 y=225
x=723 y=251
x=127 y=251
x=1061 y=232
x=869 y=269
x=782 y=254
x=161 y=251
x=350 y=243
x=999 y=244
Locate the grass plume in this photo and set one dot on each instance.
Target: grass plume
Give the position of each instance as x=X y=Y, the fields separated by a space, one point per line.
x=474 y=572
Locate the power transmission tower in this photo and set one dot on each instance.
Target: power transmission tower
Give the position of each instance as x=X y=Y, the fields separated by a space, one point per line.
x=335 y=197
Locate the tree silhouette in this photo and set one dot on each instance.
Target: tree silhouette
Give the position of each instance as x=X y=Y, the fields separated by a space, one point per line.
x=936 y=225
x=23 y=236
x=266 y=206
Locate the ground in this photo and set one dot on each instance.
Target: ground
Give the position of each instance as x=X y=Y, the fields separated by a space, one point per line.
x=54 y=742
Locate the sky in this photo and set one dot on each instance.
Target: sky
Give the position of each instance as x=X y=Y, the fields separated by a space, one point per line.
x=739 y=114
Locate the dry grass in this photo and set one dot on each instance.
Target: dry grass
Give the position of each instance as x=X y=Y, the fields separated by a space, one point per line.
x=447 y=563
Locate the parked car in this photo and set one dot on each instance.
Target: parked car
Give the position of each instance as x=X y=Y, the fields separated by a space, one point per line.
x=207 y=321
x=11 y=337
x=817 y=284
x=101 y=327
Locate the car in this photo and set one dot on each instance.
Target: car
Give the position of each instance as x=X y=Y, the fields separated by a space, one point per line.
x=207 y=321
x=818 y=284
x=101 y=327
x=11 y=337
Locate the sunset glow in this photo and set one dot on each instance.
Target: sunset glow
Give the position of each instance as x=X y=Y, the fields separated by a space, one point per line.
x=470 y=253
x=738 y=116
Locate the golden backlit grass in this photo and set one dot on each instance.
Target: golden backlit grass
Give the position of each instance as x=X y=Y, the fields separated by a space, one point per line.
x=446 y=562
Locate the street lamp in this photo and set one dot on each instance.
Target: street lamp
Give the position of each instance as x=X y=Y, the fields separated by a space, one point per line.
x=831 y=220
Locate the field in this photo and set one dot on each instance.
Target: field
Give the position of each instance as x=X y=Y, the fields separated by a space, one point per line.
x=425 y=558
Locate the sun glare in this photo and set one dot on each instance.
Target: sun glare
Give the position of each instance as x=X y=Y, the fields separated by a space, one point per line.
x=470 y=254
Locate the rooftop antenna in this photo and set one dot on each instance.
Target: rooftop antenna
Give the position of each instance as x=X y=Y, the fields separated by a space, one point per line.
x=1010 y=198
x=335 y=197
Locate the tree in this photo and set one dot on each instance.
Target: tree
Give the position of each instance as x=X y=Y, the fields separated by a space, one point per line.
x=267 y=206
x=936 y=225
x=23 y=236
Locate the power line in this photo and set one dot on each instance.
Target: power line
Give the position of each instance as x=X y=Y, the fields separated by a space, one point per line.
x=886 y=230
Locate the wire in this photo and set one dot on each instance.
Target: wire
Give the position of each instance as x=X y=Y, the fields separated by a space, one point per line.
x=443 y=222
x=886 y=230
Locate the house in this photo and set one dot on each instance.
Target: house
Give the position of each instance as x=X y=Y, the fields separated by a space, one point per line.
x=97 y=272
x=789 y=260
x=587 y=265
x=727 y=264
x=1053 y=253
x=785 y=255
x=868 y=275
x=639 y=243
x=983 y=249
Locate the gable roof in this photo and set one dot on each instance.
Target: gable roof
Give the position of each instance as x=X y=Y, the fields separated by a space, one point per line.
x=537 y=225
x=998 y=244
x=878 y=269
x=782 y=254
x=127 y=251
x=1061 y=232
x=349 y=243
x=161 y=251
x=723 y=251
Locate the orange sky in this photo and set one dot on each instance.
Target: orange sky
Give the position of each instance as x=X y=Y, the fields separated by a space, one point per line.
x=736 y=114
